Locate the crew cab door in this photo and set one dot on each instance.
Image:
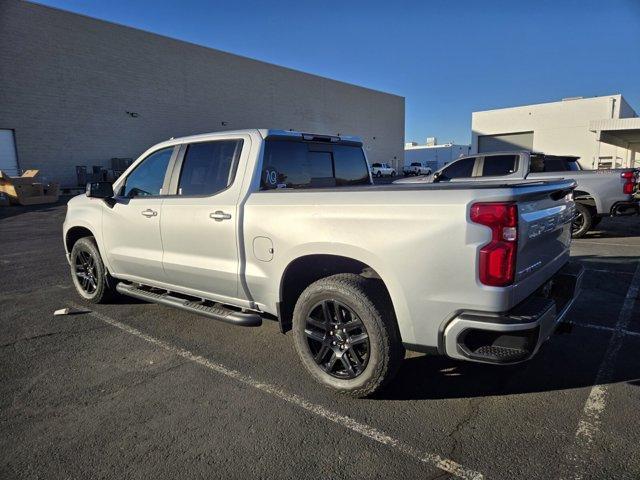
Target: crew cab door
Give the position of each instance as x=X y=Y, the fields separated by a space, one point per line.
x=200 y=220
x=131 y=226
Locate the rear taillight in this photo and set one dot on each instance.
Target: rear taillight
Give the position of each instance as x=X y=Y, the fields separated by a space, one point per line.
x=498 y=257
x=629 y=184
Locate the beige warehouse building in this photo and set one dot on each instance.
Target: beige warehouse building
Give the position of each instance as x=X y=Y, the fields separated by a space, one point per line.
x=76 y=91
x=603 y=131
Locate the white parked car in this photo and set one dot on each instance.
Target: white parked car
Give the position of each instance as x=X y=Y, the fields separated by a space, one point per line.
x=382 y=170
x=416 y=168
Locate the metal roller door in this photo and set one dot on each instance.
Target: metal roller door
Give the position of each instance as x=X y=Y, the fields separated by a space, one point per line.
x=505 y=142
x=8 y=157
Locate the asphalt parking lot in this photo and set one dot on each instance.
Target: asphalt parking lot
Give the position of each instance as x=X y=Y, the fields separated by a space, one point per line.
x=135 y=390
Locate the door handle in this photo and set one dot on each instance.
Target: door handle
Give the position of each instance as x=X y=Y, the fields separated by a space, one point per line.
x=219 y=215
x=149 y=213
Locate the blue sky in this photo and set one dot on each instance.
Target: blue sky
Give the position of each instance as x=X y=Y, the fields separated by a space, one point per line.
x=447 y=58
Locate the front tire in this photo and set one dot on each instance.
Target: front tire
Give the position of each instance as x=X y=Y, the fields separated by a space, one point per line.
x=582 y=222
x=90 y=276
x=346 y=334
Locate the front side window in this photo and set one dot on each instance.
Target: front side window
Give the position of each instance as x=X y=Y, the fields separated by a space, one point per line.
x=148 y=177
x=209 y=167
x=499 y=165
x=460 y=169
x=297 y=164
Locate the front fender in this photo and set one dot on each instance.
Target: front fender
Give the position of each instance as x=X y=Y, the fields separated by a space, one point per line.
x=86 y=213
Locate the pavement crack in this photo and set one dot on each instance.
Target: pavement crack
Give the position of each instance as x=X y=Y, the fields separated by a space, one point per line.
x=151 y=376
x=472 y=413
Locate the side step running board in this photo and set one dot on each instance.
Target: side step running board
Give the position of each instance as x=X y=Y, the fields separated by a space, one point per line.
x=211 y=310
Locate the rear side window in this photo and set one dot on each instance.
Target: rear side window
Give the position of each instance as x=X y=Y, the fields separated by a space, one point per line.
x=291 y=164
x=148 y=177
x=460 y=169
x=209 y=167
x=499 y=165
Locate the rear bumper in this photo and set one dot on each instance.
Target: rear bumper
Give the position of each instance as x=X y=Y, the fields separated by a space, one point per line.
x=516 y=335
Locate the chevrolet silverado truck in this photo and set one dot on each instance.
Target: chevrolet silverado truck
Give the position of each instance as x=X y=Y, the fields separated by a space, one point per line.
x=254 y=225
x=599 y=193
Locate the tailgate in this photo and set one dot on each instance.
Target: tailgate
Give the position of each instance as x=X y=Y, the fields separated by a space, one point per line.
x=544 y=231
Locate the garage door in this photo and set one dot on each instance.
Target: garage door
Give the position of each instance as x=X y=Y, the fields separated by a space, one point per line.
x=505 y=142
x=8 y=159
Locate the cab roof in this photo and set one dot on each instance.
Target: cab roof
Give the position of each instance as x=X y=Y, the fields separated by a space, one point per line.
x=266 y=133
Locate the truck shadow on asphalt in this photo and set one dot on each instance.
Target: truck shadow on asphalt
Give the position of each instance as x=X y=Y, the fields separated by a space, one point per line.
x=433 y=377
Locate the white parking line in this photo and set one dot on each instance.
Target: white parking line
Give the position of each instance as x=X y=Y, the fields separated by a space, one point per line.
x=363 y=429
x=629 y=333
x=579 y=453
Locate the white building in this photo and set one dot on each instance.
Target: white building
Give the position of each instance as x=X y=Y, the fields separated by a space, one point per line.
x=603 y=131
x=432 y=154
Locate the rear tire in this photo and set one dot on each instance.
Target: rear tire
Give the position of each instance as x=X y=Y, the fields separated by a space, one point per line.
x=89 y=275
x=344 y=320
x=582 y=222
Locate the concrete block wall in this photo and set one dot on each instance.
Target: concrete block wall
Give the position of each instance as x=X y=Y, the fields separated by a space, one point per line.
x=67 y=82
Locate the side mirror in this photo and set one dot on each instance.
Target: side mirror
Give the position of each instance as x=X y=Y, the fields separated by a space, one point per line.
x=99 y=190
x=436 y=176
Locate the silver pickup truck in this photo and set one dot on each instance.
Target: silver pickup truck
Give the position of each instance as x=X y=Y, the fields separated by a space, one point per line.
x=599 y=193
x=250 y=225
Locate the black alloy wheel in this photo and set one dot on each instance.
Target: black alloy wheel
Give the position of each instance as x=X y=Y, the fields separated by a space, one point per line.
x=86 y=272
x=337 y=339
x=89 y=275
x=582 y=221
x=578 y=223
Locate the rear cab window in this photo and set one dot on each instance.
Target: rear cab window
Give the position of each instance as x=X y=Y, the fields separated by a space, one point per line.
x=299 y=164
